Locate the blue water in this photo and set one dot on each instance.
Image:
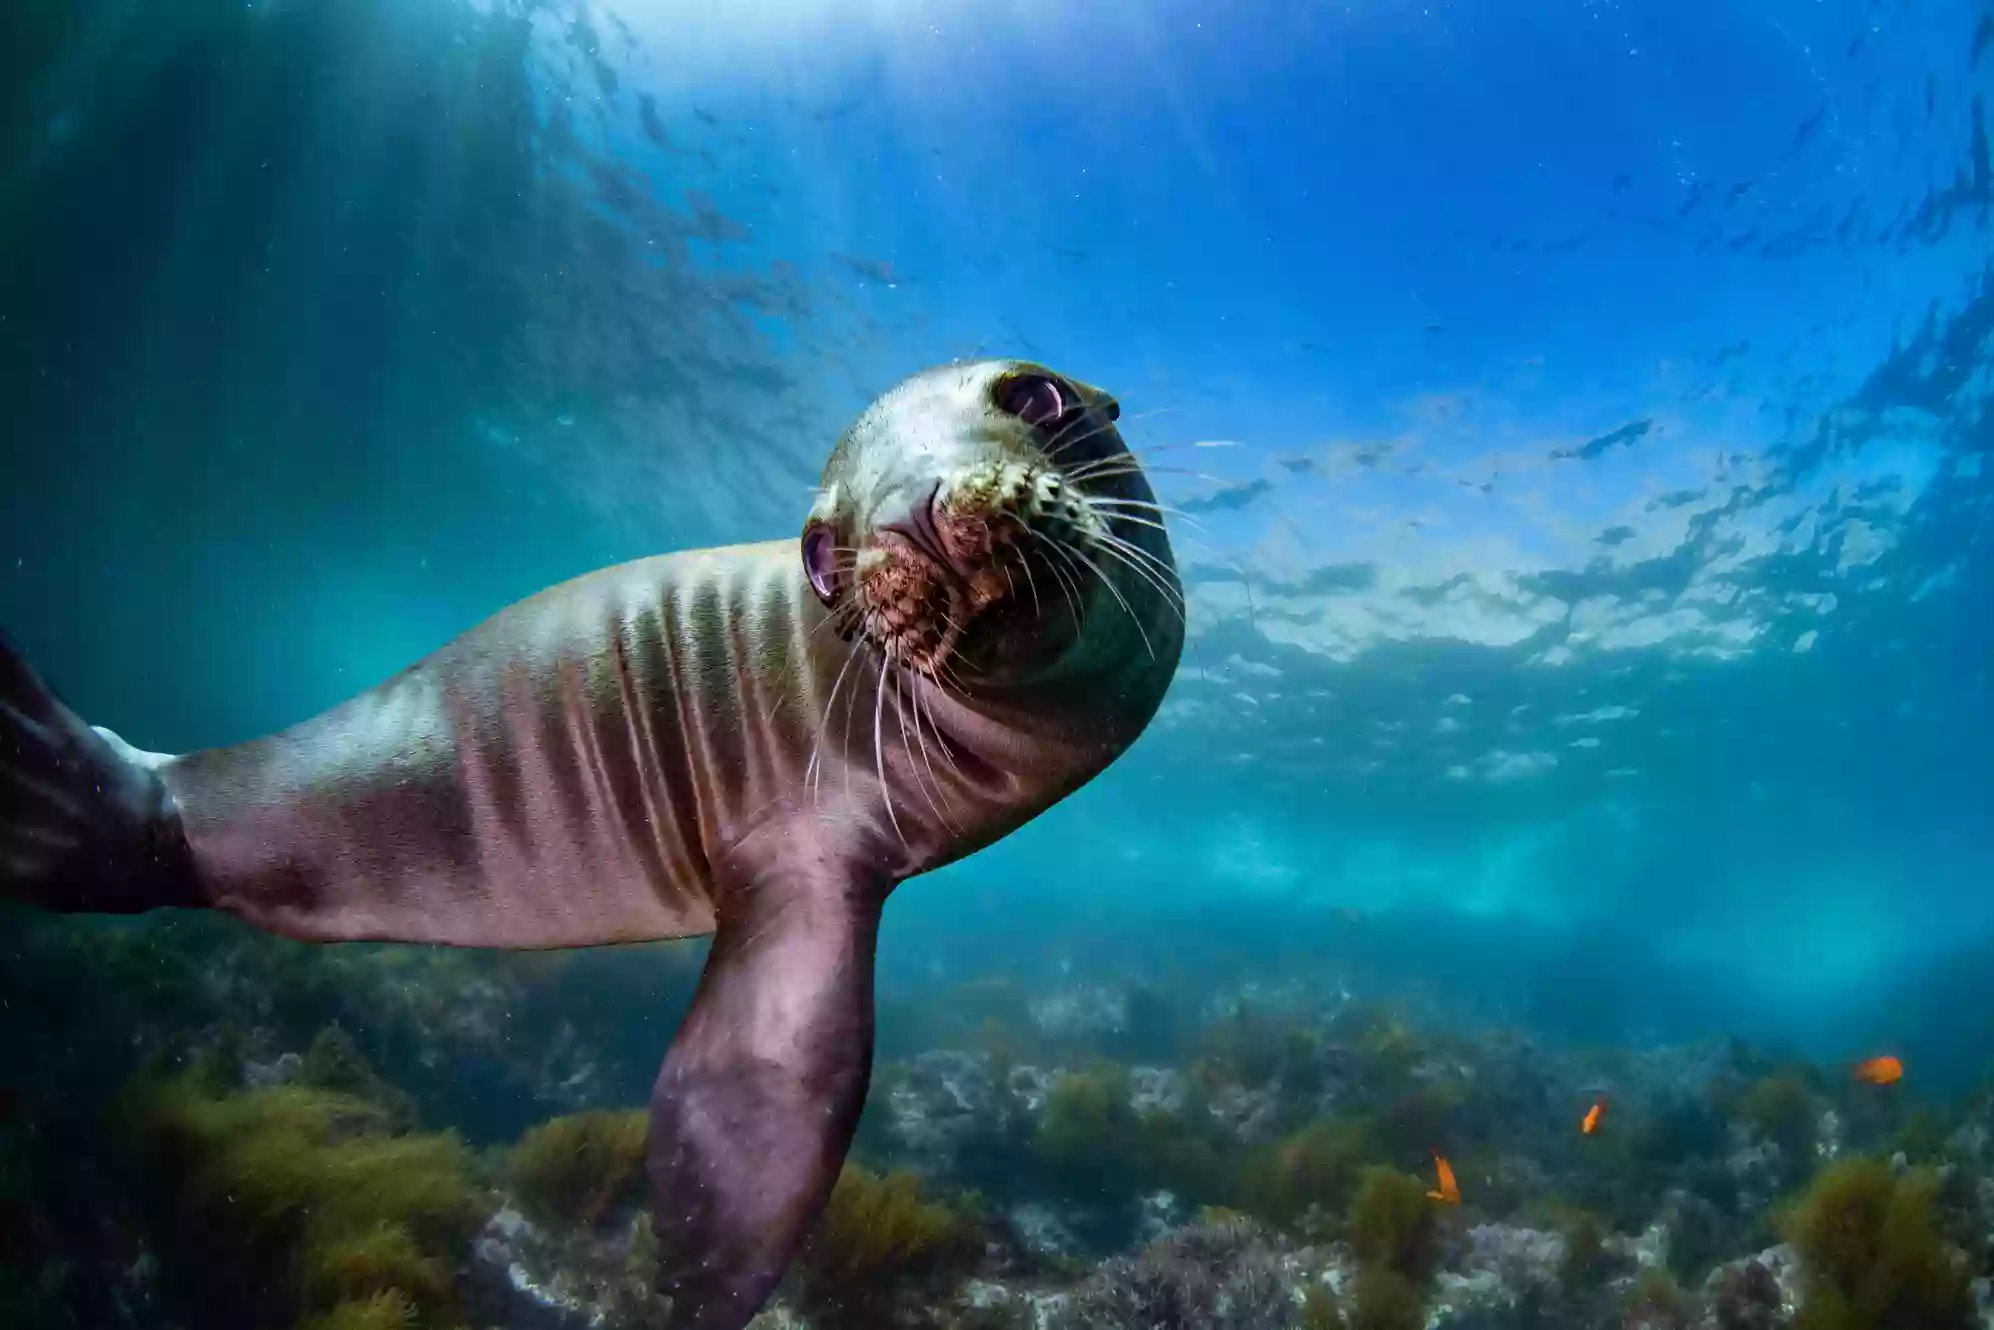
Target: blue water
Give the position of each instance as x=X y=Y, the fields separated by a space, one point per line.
x=1576 y=414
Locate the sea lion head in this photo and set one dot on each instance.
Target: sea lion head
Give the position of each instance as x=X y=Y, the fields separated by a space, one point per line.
x=983 y=525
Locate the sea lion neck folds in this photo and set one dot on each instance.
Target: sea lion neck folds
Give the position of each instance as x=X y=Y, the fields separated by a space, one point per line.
x=757 y=741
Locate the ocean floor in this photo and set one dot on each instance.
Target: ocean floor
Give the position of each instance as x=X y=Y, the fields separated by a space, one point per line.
x=204 y=1127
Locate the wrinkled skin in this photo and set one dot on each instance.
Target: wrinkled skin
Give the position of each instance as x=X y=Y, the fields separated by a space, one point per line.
x=758 y=741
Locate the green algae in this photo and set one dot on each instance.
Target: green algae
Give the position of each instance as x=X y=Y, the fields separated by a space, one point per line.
x=1312 y=1172
x=357 y=1219
x=1395 y=1226
x=1872 y=1254
x=1384 y=1299
x=387 y=1310
x=577 y=1170
x=877 y=1239
x=1657 y=1302
x=1090 y=1142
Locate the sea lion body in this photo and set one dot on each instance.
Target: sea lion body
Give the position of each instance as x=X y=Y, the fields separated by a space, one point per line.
x=732 y=741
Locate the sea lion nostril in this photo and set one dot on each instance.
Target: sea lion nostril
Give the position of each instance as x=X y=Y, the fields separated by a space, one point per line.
x=919 y=526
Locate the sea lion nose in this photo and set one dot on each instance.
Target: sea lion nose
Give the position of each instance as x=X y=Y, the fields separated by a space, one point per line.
x=918 y=527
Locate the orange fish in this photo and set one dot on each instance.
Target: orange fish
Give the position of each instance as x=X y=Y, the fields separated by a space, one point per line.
x=1591 y=1123
x=1880 y=1071
x=1449 y=1192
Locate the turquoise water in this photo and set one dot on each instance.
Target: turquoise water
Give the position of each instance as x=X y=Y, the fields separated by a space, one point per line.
x=1575 y=416
x=1596 y=543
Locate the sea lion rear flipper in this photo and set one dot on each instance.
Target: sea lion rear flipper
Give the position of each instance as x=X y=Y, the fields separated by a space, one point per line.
x=85 y=821
x=757 y=1101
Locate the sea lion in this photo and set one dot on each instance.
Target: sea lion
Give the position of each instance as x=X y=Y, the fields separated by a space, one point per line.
x=984 y=614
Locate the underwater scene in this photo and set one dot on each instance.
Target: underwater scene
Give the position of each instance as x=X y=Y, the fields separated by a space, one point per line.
x=996 y=665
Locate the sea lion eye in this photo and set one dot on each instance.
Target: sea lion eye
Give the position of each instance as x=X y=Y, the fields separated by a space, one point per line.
x=820 y=561
x=1032 y=398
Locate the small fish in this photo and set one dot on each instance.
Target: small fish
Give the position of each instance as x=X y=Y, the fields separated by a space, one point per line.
x=1449 y=1192
x=1880 y=1071
x=1593 y=1115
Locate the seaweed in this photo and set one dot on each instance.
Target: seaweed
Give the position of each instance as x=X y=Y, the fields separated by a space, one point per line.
x=1089 y=1135
x=1435 y=1110
x=1321 y=1311
x=1748 y=1298
x=387 y=1310
x=1313 y=1172
x=1657 y=1302
x=1394 y=1226
x=577 y=1170
x=1185 y=1153
x=1384 y=1299
x=349 y=1219
x=1633 y=1166
x=1780 y=1109
x=877 y=1239
x=1583 y=1269
x=1920 y=1138
x=1871 y=1252
x=334 y=1062
x=1091 y=1142
x=1700 y=1236
x=1250 y=1047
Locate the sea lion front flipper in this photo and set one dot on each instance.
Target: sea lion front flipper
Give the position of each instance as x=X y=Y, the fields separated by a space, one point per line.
x=757 y=1101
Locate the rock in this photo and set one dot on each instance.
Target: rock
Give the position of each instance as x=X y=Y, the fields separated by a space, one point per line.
x=943 y=1107
x=1158 y=1213
x=777 y=1317
x=524 y=1278
x=281 y=1071
x=1647 y=1249
x=1156 y=1090
x=1250 y=1115
x=983 y=1302
x=1225 y=1276
x=1757 y=1170
x=1754 y=1293
x=1041 y=1230
x=1505 y=1276
x=1080 y=1013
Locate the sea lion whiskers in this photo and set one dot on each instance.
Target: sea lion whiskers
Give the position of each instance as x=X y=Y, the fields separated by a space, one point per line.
x=1113 y=590
x=813 y=771
x=1038 y=611
x=1108 y=468
x=1156 y=524
x=1117 y=548
x=879 y=750
x=931 y=786
x=1079 y=560
x=1065 y=589
x=1059 y=442
x=1068 y=580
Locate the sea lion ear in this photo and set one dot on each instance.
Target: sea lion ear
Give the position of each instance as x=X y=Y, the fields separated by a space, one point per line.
x=756 y=1104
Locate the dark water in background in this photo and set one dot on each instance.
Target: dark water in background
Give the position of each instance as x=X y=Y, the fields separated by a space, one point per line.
x=1591 y=579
